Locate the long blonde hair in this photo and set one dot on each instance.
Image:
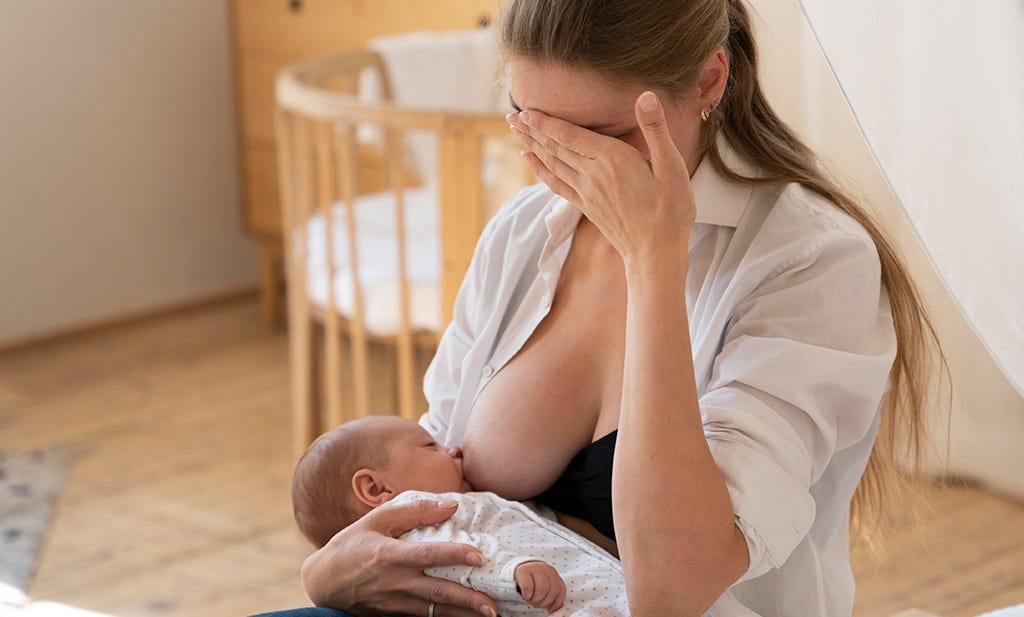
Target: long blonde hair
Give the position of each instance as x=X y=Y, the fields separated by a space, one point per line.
x=663 y=44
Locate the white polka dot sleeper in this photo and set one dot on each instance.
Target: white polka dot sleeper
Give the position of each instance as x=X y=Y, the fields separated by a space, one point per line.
x=509 y=533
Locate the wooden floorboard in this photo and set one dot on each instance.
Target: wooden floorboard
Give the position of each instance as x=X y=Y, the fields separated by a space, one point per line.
x=177 y=498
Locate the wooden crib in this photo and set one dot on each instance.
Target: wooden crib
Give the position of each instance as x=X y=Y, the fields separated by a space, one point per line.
x=320 y=124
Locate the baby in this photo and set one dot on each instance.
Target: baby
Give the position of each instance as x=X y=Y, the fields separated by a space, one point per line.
x=532 y=565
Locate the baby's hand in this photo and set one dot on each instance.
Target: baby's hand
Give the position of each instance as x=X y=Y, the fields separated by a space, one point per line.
x=540 y=585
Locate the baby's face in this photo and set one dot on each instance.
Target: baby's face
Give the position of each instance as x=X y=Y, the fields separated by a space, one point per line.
x=418 y=463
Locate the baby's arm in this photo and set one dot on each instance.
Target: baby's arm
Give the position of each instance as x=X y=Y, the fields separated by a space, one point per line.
x=540 y=585
x=503 y=574
x=502 y=571
x=498 y=576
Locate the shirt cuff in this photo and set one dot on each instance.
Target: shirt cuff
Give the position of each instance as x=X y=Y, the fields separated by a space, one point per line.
x=773 y=511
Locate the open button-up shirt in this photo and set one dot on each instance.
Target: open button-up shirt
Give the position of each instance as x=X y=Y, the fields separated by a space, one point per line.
x=792 y=340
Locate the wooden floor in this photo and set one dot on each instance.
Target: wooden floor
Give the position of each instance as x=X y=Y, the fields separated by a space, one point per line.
x=177 y=501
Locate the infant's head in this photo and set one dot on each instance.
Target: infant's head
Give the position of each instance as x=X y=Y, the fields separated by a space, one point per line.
x=362 y=464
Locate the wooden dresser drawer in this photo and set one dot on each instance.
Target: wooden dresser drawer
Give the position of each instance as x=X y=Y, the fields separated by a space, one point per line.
x=298 y=28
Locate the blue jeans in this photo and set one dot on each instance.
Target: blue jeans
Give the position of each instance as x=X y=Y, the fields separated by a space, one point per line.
x=306 y=612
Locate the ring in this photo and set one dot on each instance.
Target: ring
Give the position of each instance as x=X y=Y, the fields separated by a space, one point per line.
x=430 y=610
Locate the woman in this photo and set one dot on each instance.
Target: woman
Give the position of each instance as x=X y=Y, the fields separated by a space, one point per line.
x=686 y=307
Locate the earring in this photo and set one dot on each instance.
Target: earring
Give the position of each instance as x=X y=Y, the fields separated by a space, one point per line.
x=706 y=112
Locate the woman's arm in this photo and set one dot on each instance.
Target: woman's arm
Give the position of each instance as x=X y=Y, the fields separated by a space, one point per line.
x=677 y=539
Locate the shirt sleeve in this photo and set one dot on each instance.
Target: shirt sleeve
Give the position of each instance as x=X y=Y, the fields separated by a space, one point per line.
x=801 y=373
x=443 y=377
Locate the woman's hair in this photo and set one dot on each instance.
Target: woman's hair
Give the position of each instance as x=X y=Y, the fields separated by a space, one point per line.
x=663 y=44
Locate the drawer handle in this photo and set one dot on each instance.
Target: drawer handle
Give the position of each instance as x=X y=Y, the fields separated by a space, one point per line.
x=295 y=5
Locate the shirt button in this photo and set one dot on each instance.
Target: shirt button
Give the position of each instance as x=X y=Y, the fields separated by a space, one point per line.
x=488 y=371
x=545 y=300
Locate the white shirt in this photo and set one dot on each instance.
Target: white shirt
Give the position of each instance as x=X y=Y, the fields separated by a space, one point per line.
x=792 y=339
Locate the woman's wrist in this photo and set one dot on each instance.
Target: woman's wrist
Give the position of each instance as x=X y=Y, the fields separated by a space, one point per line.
x=656 y=266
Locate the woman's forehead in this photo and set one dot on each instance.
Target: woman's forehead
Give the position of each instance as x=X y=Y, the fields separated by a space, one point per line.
x=580 y=96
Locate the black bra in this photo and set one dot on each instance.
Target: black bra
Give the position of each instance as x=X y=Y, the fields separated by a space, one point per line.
x=584 y=490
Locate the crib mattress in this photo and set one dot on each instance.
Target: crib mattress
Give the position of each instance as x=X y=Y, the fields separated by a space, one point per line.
x=377 y=251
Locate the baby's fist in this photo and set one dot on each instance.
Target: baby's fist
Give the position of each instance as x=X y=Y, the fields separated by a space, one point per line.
x=540 y=585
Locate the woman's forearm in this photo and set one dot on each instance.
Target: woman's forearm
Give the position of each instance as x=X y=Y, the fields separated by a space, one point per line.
x=679 y=546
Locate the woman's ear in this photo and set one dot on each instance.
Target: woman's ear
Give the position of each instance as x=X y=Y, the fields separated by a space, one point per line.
x=713 y=76
x=371 y=487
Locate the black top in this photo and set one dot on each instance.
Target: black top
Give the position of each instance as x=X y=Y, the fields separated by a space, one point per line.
x=584 y=490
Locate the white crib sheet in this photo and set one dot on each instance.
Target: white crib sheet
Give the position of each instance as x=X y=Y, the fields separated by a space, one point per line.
x=377 y=248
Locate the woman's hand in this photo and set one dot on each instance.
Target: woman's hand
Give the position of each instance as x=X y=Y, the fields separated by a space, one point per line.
x=644 y=209
x=365 y=570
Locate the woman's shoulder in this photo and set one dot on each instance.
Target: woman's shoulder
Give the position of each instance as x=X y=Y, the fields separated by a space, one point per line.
x=801 y=211
x=796 y=225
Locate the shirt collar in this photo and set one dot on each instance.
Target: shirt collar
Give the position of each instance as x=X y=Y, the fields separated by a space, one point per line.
x=720 y=200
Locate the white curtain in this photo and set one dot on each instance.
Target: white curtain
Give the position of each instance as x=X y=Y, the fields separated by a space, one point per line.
x=937 y=87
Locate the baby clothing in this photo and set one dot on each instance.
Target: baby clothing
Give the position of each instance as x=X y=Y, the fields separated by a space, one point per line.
x=509 y=533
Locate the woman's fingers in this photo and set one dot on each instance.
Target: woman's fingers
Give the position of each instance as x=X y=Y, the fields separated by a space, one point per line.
x=572 y=143
x=423 y=555
x=556 y=184
x=538 y=142
x=412 y=605
x=555 y=165
x=451 y=598
x=665 y=157
x=395 y=520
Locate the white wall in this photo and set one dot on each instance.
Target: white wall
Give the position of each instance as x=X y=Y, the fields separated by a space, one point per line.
x=118 y=167
x=987 y=419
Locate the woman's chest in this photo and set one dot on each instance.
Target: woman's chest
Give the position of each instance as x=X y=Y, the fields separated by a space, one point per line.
x=562 y=388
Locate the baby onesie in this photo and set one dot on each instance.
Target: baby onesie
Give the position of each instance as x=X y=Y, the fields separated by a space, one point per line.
x=509 y=533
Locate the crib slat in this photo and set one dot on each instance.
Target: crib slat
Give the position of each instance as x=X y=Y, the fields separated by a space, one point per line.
x=304 y=412
x=348 y=150
x=462 y=218
x=326 y=196
x=394 y=157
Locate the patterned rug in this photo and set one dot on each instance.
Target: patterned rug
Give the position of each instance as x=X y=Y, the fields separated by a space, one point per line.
x=30 y=483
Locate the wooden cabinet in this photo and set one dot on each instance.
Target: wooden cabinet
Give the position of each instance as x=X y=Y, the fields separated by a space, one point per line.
x=271 y=34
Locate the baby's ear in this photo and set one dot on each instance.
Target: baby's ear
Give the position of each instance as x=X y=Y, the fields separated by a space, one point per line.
x=371 y=488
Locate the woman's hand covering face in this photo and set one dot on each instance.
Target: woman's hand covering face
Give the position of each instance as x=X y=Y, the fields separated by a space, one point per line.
x=645 y=209
x=366 y=570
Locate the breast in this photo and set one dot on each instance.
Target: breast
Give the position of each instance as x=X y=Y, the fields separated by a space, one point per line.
x=561 y=387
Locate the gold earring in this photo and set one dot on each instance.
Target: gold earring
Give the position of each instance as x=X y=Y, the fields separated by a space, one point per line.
x=706 y=112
